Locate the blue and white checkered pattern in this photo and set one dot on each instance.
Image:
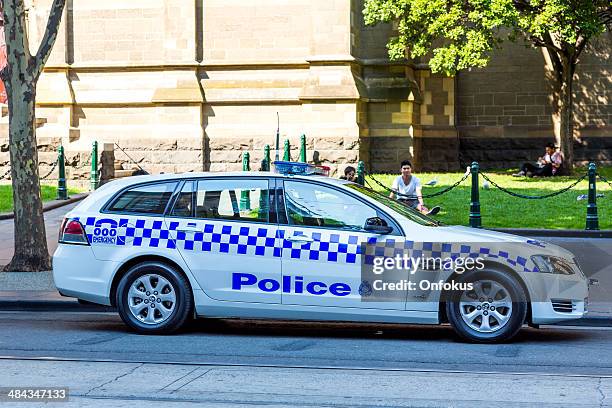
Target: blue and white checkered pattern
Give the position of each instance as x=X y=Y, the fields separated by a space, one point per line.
x=438 y=250
x=261 y=240
x=215 y=237
x=229 y=239
x=326 y=246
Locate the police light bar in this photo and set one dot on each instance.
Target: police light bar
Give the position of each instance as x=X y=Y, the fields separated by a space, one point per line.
x=300 y=169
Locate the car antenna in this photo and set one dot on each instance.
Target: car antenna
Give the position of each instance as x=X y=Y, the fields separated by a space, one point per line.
x=143 y=171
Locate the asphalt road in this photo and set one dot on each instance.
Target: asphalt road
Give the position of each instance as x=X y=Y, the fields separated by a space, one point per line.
x=279 y=364
x=103 y=336
x=302 y=364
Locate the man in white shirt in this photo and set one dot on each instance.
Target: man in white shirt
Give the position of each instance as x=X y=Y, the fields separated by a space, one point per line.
x=409 y=188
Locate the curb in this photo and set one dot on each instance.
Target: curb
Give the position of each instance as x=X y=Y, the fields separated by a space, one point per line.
x=51 y=205
x=560 y=233
x=75 y=306
x=53 y=306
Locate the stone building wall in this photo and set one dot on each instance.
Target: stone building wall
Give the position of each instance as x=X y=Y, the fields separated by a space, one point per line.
x=190 y=85
x=504 y=111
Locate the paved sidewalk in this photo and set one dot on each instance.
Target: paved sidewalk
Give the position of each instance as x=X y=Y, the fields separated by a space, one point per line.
x=118 y=385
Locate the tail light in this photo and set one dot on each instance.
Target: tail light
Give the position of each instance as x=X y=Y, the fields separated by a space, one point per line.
x=72 y=232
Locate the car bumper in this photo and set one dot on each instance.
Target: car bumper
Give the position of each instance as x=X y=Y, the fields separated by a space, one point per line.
x=557 y=298
x=545 y=313
x=77 y=273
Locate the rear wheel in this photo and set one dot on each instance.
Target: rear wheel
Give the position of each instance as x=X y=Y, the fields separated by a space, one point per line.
x=493 y=310
x=154 y=298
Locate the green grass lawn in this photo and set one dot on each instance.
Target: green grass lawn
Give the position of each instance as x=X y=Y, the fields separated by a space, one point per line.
x=48 y=193
x=501 y=210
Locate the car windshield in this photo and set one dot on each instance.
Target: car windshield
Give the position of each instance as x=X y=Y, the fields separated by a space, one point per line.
x=395 y=205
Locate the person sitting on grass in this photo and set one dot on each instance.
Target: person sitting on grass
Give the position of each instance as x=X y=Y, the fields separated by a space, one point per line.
x=409 y=188
x=349 y=173
x=546 y=166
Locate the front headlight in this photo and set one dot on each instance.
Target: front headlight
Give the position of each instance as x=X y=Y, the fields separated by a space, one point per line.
x=553 y=264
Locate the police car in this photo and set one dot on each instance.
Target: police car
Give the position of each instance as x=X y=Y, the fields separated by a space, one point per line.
x=291 y=245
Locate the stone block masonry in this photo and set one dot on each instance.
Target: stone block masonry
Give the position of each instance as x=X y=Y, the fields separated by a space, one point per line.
x=189 y=86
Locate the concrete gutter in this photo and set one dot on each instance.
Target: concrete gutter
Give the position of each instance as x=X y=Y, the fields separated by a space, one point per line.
x=50 y=205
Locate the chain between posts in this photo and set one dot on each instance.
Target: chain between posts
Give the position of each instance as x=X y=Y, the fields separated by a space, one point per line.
x=605 y=180
x=475 y=217
x=5 y=174
x=437 y=193
x=50 y=171
x=528 y=197
x=45 y=177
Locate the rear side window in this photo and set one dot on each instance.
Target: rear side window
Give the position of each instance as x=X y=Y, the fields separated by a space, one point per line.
x=243 y=200
x=148 y=199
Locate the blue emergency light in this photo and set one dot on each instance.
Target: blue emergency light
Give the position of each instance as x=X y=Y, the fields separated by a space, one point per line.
x=300 y=169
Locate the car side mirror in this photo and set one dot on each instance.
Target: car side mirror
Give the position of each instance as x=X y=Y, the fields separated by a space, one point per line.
x=377 y=225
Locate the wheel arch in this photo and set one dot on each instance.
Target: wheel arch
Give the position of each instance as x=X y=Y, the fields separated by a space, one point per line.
x=135 y=261
x=488 y=265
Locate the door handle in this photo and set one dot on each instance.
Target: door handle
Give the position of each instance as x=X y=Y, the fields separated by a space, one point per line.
x=299 y=238
x=189 y=228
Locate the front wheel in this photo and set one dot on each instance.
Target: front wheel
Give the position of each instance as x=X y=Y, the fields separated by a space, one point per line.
x=493 y=310
x=153 y=298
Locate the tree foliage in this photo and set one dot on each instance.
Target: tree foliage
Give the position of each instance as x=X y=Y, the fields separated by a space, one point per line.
x=459 y=34
x=462 y=33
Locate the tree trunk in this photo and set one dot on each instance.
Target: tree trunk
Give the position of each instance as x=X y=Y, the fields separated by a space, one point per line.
x=565 y=115
x=31 y=252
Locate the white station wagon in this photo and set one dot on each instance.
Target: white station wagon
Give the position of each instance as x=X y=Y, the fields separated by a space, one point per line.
x=167 y=248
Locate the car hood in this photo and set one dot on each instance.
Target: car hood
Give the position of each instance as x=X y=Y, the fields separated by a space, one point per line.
x=467 y=234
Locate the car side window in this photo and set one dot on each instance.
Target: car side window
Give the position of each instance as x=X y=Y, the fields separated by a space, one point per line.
x=147 y=199
x=244 y=200
x=315 y=205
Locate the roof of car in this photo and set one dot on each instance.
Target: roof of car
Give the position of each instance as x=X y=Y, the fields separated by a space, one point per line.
x=126 y=181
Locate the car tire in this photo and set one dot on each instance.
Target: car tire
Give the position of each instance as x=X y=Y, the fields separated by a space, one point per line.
x=154 y=298
x=493 y=311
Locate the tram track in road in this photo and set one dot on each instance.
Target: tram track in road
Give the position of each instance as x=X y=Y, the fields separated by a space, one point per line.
x=303 y=367
x=119 y=384
x=265 y=363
